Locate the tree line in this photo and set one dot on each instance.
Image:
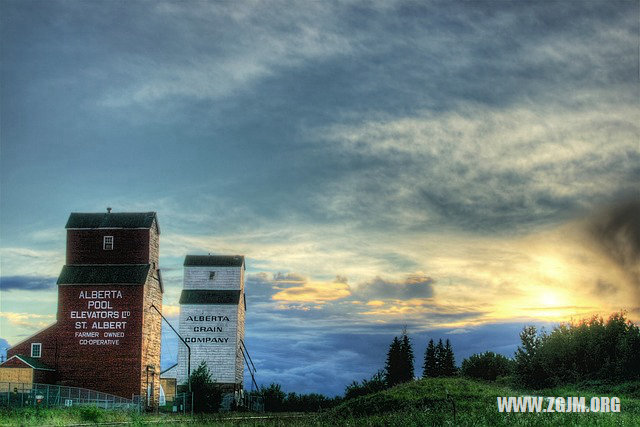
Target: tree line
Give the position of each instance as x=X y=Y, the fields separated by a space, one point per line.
x=593 y=349
x=590 y=350
x=276 y=400
x=207 y=396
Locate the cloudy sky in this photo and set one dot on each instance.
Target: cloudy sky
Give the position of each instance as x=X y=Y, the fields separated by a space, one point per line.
x=458 y=168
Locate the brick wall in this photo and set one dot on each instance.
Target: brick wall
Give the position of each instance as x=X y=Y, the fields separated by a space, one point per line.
x=115 y=367
x=43 y=377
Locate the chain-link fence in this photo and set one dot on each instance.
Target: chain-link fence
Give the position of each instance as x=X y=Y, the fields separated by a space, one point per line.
x=48 y=395
x=182 y=403
x=178 y=403
x=254 y=403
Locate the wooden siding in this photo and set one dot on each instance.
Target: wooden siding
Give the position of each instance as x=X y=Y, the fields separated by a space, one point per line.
x=16 y=375
x=225 y=278
x=240 y=337
x=219 y=356
x=223 y=359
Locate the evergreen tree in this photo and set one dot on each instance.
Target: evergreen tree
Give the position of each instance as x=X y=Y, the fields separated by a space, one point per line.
x=406 y=355
x=439 y=371
x=393 y=367
x=206 y=395
x=448 y=361
x=430 y=366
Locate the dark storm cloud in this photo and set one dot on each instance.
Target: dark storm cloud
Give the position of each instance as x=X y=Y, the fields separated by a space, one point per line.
x=617 y=232
x=603 y=288
x=26 y=283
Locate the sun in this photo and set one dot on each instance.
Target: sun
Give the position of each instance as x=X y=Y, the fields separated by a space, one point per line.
x=550 y=299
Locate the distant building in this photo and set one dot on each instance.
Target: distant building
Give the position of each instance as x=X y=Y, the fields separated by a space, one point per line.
x=212 y=313
x=169 y=382
x=107 y=336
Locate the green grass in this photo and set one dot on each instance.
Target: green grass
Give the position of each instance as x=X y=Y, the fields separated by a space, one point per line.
x=431 y=401
x=423 y=402
x=30 y=416
x=89 y=415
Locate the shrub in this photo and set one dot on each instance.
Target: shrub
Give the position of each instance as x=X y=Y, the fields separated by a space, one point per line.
x=374 y=384
x=276 y=400
x=273 y=397
x=487 y=366
x=91 y=414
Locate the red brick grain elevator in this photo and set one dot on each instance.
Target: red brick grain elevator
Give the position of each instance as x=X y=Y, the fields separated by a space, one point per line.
x=106 y=337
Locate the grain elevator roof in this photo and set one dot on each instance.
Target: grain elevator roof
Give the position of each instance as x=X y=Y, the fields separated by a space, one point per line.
x=214 y=261
x=135 y=274
x=111 y=220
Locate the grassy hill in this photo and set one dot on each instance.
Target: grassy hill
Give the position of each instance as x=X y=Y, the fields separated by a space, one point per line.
x=432 y=401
